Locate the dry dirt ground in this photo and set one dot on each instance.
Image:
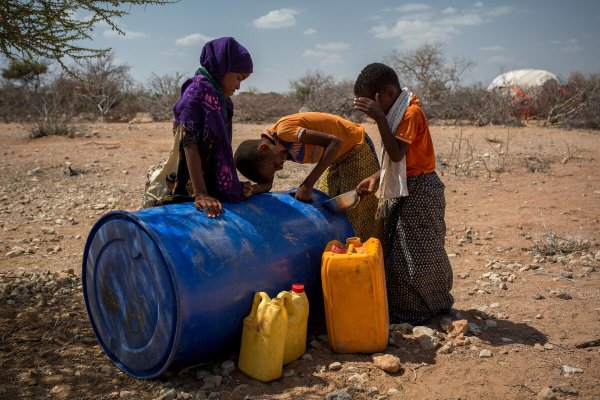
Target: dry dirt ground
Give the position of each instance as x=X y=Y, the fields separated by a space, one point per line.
x=523 y=219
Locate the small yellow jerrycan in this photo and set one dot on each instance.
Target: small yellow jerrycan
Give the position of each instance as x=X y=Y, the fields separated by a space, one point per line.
x=263 y=339
x=355 y=296
x=296 y=304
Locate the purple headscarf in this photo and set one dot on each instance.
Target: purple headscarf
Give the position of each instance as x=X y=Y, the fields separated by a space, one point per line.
x=223 y=55
x=205 y=117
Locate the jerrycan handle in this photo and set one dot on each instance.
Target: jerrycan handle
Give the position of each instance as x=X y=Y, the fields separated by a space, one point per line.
x=277 y=303
x=288 y=302
x=258 y=298
x=350 y=248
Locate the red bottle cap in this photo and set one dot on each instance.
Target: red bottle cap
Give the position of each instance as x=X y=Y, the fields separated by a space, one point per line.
x=298 y=288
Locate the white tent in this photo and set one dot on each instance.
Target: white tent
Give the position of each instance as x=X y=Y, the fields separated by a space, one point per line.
x=523 y=79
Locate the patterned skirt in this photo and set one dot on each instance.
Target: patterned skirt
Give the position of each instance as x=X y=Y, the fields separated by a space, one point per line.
x=417 y=268
x=344 y=175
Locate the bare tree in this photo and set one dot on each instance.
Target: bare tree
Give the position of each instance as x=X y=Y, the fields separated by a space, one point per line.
x=162 y=92
x=309 y=84
x=104 y=83
x=52 y=29
x=426 y=70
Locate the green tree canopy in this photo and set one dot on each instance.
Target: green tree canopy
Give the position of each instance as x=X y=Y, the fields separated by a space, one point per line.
x=51 y=29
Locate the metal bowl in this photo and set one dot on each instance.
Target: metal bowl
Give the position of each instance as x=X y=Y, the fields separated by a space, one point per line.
x=344 y=202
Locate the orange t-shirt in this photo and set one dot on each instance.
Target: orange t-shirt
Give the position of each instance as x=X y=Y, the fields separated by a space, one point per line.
x=287 y=132
x=414 y=130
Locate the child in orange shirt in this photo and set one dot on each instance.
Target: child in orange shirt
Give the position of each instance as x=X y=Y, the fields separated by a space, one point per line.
x=411 y=199
x=342 y=151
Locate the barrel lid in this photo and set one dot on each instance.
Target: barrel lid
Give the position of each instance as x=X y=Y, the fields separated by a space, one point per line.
x=130 y=296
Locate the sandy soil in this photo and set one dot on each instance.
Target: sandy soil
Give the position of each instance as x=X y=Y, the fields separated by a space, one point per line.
x=511 y=194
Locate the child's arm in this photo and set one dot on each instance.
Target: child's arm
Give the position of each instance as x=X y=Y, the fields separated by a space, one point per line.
x=332 y=145
x=369 y=184
x=202 y=200
x=396 y=149
x=258 y=188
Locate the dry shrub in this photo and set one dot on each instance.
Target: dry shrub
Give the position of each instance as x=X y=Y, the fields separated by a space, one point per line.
x=550 y=244
x=263 y=107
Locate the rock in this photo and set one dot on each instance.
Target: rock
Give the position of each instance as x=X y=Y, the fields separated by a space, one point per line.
x=211 y=382
x=563 y=295
x=307 y=357
x=447 y=348
x=227 y=367
x=491 y=323
x=15 y=252
x=240 y=387
x=170 y=394
x=597 y=256
x=358 y=380
x=387 y=362
x=538 y=347
x=100 y=206
x=201 y=374
x=393 y=392
x=548 y=346
x=546 y=394
x=568 y=370
x=335 y=366
x=538 y=297
x=339 y=394
x=404 y=328
x=48 y=230
x=474 y=328
x=567 y=389
x=422 y=330
x=485 y=353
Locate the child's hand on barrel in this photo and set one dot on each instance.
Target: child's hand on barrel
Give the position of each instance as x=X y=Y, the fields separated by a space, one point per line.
x=210 y=205
x=247 y=188
x=304 y=194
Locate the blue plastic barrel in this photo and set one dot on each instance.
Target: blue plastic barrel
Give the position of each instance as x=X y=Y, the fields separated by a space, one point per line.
x=168 y=286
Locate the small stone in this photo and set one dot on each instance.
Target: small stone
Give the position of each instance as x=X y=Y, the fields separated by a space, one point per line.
x=538 y=347
x=539 y=316
x=568 y=370
x=503 y=286
x=548 y=346
x=393 y=392
x=227 y=367
x=474 y=329
x=567 y=389
x=339 y=394
x=48 y=230
x=538 y=297
x=387 y=362
x=446 y=348
x=404 y=328
x=201 y=374
x=358 y=379
x=307 y=357
x=240 y=387
x=563 y=295
x=335 y=366
x=485 y=353
x=490 y=323
x=211 y=382
x=170 y=394
x=546 y=394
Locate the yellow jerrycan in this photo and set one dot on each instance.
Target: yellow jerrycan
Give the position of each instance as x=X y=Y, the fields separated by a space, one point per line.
x=296 y=305
x=355 y=296
x=263 y=339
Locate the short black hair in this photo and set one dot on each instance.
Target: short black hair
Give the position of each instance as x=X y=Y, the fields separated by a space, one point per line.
x=374 y=78
x=248 y=160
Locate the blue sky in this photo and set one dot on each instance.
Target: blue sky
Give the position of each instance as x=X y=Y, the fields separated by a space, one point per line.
x=289 y=38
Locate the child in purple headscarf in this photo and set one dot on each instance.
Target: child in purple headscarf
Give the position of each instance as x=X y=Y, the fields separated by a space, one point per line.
x=203 y=116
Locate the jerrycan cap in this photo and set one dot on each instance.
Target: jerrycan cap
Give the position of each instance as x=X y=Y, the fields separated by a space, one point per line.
x=298 y=288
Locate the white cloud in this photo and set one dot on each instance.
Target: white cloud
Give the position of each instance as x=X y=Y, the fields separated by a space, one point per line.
x=413 y=7
x=449 y=10
x=467 y=19
x=327 y=53
x=478 y=4
x=499 y=11
x=573 y=40
x=495 y=47
x=568 y=49
x=282 y=18
x=309 y=31
x=111 y=33
x=414 y=32
x=333 y=46
x=192 y=40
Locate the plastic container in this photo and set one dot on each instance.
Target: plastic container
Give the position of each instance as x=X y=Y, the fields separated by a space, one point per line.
x=296 y=304
x=355 y=297
x=168 y=286
x=263 y=339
